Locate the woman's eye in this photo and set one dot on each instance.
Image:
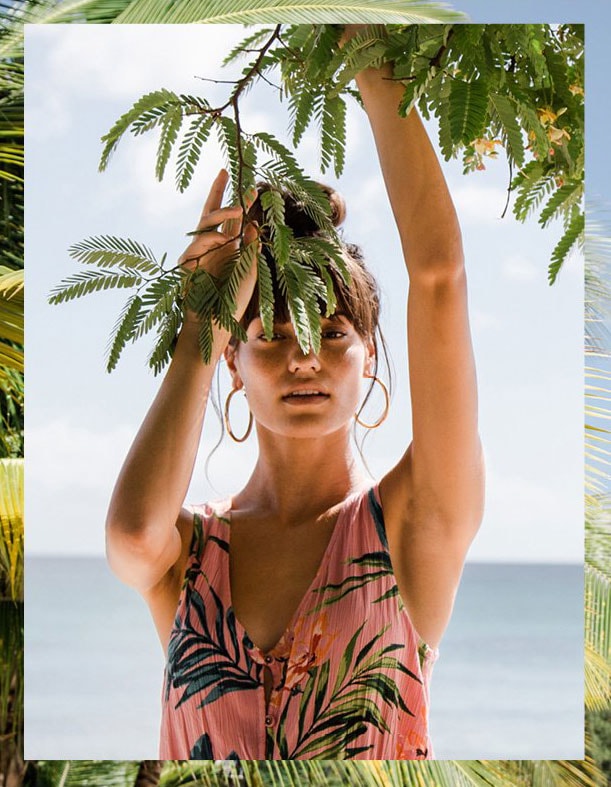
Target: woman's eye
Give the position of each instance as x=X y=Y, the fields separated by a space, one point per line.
x=274 y=337
x=333 y=334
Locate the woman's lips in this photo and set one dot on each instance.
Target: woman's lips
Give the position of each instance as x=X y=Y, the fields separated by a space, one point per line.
x=305 y=396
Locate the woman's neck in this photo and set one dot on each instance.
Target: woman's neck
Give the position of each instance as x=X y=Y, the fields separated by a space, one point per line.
x=295 y=479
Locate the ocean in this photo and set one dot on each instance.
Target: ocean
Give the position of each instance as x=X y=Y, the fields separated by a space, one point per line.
x=508 y=683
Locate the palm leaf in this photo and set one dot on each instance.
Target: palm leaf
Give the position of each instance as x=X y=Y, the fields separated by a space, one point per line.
x=11 y=305
x=598 y=625
x=11 y=529
x=11 y=324
x=294 y=11
x=75 y=773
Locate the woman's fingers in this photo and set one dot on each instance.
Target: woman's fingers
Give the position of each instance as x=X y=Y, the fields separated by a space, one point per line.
x=219 y=227
x=215 y=197
x=210 y=221
x=233 y=225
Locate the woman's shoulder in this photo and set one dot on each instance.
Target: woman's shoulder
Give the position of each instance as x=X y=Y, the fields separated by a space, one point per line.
x=364 y=512
x=198 y=521
x=214 y=509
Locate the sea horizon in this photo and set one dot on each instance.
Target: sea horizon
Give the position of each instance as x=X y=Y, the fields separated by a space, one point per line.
x=508 y=683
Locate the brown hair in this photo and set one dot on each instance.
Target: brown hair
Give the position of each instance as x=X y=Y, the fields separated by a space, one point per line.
x=359 y=300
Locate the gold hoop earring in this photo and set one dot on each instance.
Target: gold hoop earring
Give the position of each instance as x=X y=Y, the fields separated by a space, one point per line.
x=226 y=419
x=384 y=415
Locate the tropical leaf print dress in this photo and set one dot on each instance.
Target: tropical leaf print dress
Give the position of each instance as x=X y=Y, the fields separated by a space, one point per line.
x=350 y=675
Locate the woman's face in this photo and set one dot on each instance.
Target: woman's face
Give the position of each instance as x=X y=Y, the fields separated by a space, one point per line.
x=299 y=395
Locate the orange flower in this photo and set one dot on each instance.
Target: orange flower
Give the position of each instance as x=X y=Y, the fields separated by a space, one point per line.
x=547 y=115
x=486 y=147
x=576 y=90
x=311 y=646
x=556 y=135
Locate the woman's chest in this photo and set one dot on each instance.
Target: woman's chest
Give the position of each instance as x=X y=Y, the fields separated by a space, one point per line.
x=271 y=574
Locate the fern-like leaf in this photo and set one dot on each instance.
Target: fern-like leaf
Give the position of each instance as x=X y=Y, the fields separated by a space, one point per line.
x=367 y=49
x=573 y=234
x=107 y=251
x=190 y=150
x=123 y=332
x=166 y=340
x=227 y=134
x=266 y=296
x=304 y=106
x=80 y=284
x=250 y=41
x=169 y=133
x=158 y=100
x=506 y=111
x=291 y=284
x=333 y=133
x=415 y=88
x=532 y=184
x=158 y=300
x=468 y=105
x=324 y=252
x=271 y=145
x=281 y=234
x=540 y=144
x=561 y=201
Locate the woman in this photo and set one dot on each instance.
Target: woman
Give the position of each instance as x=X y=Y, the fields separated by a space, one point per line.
x=310 y=607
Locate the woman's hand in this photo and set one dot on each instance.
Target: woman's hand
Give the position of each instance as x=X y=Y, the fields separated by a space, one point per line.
x=212 y=248
x=349 y=32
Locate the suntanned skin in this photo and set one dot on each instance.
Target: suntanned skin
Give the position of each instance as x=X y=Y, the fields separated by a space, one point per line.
x=283 y=518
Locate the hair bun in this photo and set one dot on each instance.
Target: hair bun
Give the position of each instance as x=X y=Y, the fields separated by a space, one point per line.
x=296 y=217
x=338 y=205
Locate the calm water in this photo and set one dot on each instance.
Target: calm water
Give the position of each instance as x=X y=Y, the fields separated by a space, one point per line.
x=508 y=683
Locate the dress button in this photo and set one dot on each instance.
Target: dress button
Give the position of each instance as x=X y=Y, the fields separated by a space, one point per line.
x=269 y=659
x=268 y=721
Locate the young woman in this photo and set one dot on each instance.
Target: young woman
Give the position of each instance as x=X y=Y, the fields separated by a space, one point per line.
x=301 y=617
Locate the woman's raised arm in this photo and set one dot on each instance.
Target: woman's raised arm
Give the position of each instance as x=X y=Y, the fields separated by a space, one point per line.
x=143 y=524
x=433 y=498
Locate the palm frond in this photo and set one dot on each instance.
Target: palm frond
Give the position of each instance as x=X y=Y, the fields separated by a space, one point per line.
x=11 y=529
x=292 y=11
x=75 y=773
x=11 y=322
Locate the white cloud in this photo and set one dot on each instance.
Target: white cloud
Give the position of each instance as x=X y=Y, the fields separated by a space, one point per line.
x=484 y=321
x=479 y=204
x=519 y=268
x=367 y=207
x=63 y=457
x=529 y=519
x=119 y=61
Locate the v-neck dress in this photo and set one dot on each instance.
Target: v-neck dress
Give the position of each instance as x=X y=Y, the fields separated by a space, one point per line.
x=350 y=676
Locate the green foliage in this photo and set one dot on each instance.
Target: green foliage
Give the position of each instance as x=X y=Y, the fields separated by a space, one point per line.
x=573 y=235
x=518 y=87
x=468 y=106
x=599 y=724
x=270 y=12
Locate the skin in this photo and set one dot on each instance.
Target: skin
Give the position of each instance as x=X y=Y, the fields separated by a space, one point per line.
x=283 y=519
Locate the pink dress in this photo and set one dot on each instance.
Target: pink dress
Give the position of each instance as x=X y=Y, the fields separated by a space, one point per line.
x=350 y=675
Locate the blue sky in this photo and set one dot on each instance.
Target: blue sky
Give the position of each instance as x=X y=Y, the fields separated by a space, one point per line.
x=527 y=336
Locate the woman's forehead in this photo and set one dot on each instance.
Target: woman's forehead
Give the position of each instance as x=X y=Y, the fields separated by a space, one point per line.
x=335 y=317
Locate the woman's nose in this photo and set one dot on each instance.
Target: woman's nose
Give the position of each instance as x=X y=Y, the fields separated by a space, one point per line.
x=299 y=362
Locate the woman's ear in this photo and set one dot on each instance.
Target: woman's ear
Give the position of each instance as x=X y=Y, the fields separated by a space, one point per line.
x=230 y=354
x=370 y=358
